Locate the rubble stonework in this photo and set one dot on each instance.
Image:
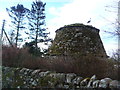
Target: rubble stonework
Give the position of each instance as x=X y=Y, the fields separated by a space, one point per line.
x=28 y=78
x=77 y=39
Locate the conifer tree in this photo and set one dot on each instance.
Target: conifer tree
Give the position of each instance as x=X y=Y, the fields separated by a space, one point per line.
x=36 y=19
x=17 y=14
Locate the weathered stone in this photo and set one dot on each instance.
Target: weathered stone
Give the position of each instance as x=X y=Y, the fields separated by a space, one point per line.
x=84 y=82
x=83 y=39
x=114 y=84
x=104 y=82
x=66 y=86
x=60 y=76
x=36 y=71
x=22 y=78
x=70 y=77
x=76 y=82
x=60 y=85
x=43 y=74
x=92 y=79
x=96 y=83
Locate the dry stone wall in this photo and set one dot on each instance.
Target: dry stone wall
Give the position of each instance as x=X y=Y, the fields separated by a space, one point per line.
x=28 y=78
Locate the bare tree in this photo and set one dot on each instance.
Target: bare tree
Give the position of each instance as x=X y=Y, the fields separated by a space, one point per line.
x=116 y=31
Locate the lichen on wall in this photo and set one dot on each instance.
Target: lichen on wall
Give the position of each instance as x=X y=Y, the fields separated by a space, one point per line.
x=28 y=78
x=77 y=39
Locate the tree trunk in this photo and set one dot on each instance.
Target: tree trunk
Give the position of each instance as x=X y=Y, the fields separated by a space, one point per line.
x=18 y=27
x=36 y=46
x=37 y=29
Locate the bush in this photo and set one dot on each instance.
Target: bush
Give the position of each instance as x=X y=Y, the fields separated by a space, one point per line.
x=37 y=63
x=61 y=64
x=89 y=66
x=13 y=56
x=85 y=66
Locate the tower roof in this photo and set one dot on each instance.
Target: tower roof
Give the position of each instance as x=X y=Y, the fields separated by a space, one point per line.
x=79 y=25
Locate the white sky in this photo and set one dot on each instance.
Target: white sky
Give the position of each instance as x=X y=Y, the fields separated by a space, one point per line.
x=63 y=12
x=80 y=11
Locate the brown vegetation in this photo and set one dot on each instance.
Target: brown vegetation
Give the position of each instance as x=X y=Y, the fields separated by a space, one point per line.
x=84 y=66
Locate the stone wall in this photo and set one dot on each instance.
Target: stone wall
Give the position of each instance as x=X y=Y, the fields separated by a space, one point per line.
x=28 y=78
x=77 y=39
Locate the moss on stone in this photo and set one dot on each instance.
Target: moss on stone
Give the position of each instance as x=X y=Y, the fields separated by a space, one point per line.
x=48 y=81
x=18 y=82
x=77 y=39
x=76 y=24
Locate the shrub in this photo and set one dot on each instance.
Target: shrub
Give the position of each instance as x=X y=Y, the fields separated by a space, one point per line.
x=61 y=64
x=13 y=56
x=89 y=66
x=85 y=66
x=36 y=63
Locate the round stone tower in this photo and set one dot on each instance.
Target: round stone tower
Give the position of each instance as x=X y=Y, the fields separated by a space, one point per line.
x=77 y=39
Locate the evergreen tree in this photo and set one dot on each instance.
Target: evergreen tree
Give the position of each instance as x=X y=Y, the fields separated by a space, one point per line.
x=17 y=13
x=36 y=19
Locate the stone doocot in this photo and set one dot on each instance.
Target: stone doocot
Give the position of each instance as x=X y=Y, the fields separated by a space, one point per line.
x=77 y=39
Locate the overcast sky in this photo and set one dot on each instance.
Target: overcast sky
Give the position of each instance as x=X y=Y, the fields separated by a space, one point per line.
x=64 y=12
